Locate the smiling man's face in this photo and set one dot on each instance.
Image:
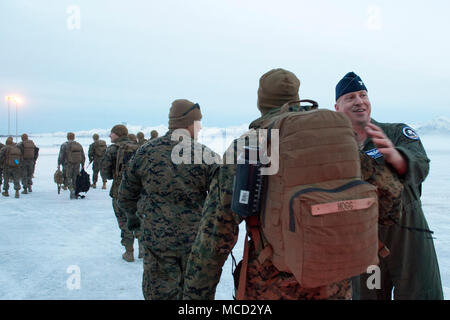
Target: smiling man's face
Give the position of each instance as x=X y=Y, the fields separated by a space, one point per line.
x=356 y=106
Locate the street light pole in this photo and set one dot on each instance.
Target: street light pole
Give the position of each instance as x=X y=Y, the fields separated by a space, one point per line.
x=17 y=121
x=9 y=118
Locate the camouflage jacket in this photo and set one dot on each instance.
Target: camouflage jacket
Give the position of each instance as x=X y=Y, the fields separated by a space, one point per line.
x=63 y=154
x=142 y=141
x=219 y=227
x=1 y=147
x=168 y=197
x=108 y=165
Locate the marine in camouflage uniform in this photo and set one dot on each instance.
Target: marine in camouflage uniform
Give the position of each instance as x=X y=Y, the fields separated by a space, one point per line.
x=141 y=138
x=411 y=271
x=96 y=162
x=168 y=196
x=27 y=166
x=219 y=227
x=9 y=173
x=119 y=135
x=70 y=170
x=1 y=166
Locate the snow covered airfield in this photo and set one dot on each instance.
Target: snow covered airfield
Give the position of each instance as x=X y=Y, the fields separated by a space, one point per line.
x=54 y=248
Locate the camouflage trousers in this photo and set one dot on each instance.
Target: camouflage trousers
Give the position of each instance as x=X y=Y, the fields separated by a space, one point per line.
x=72 y=171
x=163 y=277
x=11 y=174
x=266 y=282
x=126 y=235
x=27 y=173
x=95 y=171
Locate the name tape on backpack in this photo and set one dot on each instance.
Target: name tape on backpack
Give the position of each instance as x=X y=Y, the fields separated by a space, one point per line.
x=341 y=206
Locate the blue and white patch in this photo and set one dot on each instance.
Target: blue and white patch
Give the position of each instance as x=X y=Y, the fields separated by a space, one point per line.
x=374 y=153
x=410 y=133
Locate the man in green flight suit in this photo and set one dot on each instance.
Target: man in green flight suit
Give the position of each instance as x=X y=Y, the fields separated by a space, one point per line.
x=411 y=270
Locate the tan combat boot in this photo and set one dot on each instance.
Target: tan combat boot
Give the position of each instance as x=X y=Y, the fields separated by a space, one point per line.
x=5 y=194
x=17 y=194
x=104 y=186
x=129 y=254
x=24 y=190
x=141 y=251
x=94 y=186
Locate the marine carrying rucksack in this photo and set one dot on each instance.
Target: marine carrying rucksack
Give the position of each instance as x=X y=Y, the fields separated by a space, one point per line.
x=74 y=152
x=28 y=150
x=124 y=153
x=99 y=148
x=13 y=157
x=318 y=219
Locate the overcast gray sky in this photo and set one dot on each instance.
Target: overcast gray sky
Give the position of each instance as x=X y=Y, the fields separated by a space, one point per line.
x=126 y=61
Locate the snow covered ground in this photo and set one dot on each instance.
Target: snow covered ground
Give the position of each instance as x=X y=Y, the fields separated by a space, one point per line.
x=46 y=240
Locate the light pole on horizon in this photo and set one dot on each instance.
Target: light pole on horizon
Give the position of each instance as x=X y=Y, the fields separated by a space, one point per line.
x=8 y=98
x=17 y=100
x=17 y=121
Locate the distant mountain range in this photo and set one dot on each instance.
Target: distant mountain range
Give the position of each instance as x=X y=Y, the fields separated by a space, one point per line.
x=437 y=126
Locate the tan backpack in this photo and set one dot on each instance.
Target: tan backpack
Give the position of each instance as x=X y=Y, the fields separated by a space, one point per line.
x=13 y=157
x=74 y=152
x=319 y=220
x=28 y=149
x=124 y=153
x=99 y=148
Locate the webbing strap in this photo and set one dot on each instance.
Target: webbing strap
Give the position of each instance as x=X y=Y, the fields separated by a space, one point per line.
x=252 y=224
x=243 y=273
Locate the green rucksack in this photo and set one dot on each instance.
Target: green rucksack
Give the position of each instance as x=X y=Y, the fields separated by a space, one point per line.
x=74 y=152
x=126 y=150
x=99 y=148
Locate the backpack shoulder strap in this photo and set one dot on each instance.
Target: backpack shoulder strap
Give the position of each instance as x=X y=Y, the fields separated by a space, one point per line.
x=253 y=230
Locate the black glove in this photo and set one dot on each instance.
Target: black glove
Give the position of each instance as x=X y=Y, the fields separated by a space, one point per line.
x=133 y=223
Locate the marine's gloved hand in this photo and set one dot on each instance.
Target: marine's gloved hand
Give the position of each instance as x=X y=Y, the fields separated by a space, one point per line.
x=133 y=223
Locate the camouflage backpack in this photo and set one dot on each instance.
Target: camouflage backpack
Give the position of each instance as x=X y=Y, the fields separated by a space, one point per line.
x=13 y=157
x=99 y=148
x=28 y=150
x=74 y=152
x=126 y=150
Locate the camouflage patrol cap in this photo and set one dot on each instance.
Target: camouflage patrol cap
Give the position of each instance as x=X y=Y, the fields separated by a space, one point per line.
x=9 y=141
x=277 y=87
x=132 y=137
x=71 y=136
x=24 y=137
x=95 y=137
x=140 y=135
x=120 y=130
x=183 y=113
x=154 y=134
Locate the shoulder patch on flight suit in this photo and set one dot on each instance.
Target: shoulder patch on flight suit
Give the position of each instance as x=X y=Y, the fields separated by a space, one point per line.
x=410 y=133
